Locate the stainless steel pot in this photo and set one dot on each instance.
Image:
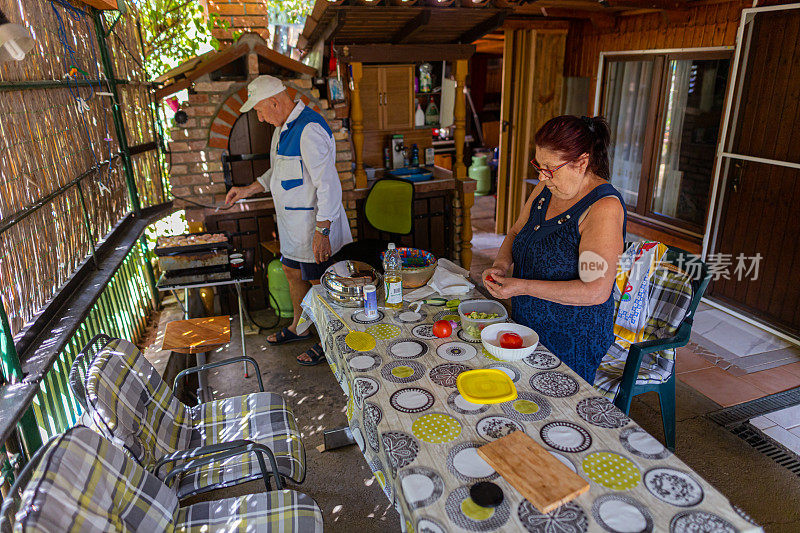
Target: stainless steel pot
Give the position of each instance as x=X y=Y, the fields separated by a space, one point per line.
x=344 y=282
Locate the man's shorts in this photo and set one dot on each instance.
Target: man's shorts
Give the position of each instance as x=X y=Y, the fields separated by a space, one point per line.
x=308 y=271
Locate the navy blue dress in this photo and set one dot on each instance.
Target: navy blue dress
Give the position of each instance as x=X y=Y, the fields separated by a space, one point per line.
x=548 y=250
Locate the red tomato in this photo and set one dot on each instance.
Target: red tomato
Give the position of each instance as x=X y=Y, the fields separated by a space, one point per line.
x=510 y=340
x=442 y=329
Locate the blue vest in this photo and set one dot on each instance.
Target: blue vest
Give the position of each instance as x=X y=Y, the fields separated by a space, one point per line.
x=289 y=142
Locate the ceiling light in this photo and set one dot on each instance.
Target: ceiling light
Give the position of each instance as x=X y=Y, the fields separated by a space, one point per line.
x=15 y=40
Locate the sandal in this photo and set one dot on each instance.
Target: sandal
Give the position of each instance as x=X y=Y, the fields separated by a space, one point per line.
x=286 y=335
x=315 y=353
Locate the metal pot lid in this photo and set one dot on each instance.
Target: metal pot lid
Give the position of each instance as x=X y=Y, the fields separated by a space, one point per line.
x=348 y=277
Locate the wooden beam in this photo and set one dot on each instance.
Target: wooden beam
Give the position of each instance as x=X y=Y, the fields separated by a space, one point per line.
x=598 y=19
x=412 y=27
x=649 y=4
x=103 y=5
x=459 y=169
x=534 y=23
x=336 y=24
x=488 y=25
x=403 y=53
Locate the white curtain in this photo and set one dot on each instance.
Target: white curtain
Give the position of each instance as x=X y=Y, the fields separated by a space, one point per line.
x=668 y=182
x=626 y=106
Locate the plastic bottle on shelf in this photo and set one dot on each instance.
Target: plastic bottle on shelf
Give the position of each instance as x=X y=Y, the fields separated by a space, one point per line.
x=393 y=277
x=419 y=115
x=431 y=113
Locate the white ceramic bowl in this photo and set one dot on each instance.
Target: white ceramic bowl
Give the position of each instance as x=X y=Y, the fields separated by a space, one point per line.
x=490 y=337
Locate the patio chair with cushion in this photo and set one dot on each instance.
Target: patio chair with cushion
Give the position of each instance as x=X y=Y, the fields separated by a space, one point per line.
x=676 y=287
x=128 y=403
x=79 y=481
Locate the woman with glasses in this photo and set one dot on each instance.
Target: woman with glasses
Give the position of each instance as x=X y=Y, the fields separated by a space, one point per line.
x=558 y=263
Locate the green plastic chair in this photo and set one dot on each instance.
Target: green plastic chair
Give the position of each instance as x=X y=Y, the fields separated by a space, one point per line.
x=666 y=390
x=390 y=206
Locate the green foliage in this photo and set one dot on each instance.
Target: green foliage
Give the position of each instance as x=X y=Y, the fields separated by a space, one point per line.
x=290 y=11
x=174 y=31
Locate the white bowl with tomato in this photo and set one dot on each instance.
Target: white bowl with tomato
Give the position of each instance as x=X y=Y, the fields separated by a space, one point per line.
x=509 y=342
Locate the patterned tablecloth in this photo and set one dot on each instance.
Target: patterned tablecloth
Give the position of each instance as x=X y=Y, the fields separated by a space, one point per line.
x=419 y=436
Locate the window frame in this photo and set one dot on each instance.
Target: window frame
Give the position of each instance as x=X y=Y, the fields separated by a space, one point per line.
x=655 y=125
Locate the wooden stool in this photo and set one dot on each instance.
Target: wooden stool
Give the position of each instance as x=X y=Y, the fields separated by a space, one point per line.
x=198 y=336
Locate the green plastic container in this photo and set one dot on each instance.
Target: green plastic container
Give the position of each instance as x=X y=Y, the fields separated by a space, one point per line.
x=479 y=171
x=279 y=290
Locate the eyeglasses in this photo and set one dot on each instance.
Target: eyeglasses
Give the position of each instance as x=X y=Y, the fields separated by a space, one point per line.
x=546 y=172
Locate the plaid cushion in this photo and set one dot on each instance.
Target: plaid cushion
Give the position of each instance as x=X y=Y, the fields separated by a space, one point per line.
x=668 y=301
x=84 y=483
x=262 y=417
x=275 y=511
x=132 y=406
x=609 y=374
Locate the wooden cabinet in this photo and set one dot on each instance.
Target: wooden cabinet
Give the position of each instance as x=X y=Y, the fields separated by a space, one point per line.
x=387 y=97
x=371 y=96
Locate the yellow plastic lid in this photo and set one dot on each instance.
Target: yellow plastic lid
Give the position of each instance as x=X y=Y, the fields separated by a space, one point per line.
x=485 y=386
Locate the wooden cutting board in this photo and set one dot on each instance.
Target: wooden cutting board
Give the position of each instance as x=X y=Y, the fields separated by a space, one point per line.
x=541 y=478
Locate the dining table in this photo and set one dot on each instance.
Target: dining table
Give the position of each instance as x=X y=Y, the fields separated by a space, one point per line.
x=420 y=437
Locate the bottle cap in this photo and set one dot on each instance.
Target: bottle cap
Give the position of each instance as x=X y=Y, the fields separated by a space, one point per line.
x=391 y=246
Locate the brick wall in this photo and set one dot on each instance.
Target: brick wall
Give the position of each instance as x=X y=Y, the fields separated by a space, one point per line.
x=241 y=16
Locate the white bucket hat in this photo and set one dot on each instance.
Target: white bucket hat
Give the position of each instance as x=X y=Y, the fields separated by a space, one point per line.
x=261 y=88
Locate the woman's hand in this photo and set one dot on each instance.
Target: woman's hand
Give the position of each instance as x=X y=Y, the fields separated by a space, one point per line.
x=493 y=272
x=503 y=288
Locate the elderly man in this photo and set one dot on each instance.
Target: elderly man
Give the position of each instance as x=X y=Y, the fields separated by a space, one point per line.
x=307 y=193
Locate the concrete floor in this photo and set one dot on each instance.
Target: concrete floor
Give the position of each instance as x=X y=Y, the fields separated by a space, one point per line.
x=351 y=499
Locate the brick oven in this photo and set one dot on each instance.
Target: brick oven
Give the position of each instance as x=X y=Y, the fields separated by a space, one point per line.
x=218 y=146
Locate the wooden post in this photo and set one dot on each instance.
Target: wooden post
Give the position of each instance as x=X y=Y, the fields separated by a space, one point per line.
x=357 y=119
x=459 y=169
x=460 y=119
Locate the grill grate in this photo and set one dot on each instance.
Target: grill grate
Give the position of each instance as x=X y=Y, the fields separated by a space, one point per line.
x=761 y=442
x=735 y=419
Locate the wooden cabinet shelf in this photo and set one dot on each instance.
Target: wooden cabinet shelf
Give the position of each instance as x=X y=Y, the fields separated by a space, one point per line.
x=387 y=97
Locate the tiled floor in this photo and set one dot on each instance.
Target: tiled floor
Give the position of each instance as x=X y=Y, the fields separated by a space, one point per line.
x=699 y=368
x=742 y=347
x=783 y=426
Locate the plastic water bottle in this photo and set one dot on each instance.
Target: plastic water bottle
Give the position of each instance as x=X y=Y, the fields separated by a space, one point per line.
x=393 y=277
